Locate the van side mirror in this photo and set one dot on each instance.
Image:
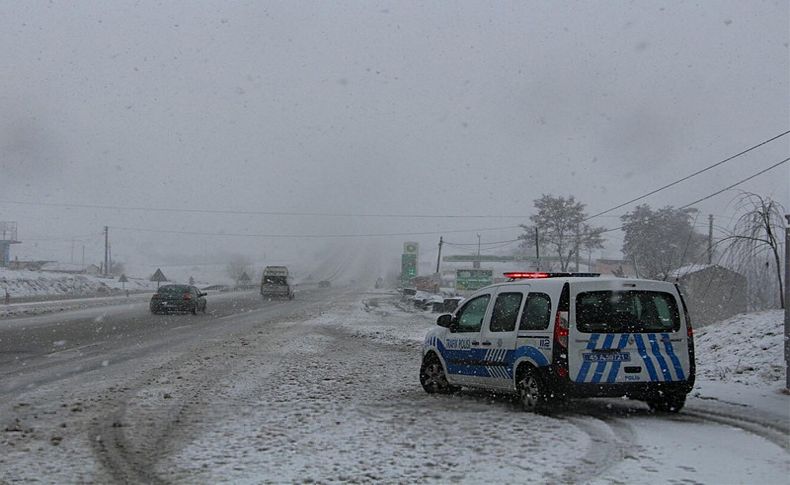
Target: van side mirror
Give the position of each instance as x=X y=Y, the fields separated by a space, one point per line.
x=445 y=320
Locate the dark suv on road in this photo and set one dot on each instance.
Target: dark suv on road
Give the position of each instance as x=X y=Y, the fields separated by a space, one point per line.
x=178 y=298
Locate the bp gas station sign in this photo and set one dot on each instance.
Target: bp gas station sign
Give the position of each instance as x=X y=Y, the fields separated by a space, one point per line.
x=408 y=261
x=408 y=266
x=473 y=279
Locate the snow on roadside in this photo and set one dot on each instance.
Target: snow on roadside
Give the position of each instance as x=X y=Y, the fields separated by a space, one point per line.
x=26 y=284
x=745 y=349
x=387 y=318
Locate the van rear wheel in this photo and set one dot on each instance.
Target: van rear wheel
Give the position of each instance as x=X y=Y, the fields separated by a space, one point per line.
x=532 y=392
x=668 y=403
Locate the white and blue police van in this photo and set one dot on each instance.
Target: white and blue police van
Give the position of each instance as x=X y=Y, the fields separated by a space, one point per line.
x=551 y=336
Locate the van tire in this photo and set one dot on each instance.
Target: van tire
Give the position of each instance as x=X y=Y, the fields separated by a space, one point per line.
x=432 y=376
x=532 y=391
x=669 y=403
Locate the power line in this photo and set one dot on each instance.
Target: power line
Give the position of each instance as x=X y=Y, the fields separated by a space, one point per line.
x=426 y=233
x=717 y=192
x=259 y=213
x=736 y=183
x=688 y=176
x=485 y=248
x=351 y=214
x=310 y=236
x=483 y=244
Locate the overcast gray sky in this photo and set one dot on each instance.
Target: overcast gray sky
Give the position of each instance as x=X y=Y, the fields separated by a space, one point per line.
x=443 y=108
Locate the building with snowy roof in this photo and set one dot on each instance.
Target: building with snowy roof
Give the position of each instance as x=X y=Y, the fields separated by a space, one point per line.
x=712 y=292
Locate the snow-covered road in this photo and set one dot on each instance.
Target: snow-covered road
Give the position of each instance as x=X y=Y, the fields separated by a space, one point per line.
x=325 y=389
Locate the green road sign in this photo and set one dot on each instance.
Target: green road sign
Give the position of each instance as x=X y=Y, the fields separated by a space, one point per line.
x=473 y=279
x=408 y=267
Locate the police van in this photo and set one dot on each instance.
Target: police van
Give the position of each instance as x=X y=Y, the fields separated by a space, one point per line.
x=552 y=336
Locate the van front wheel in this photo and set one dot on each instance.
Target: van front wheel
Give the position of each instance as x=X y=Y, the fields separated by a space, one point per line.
x=433 y=378
x=532 y=392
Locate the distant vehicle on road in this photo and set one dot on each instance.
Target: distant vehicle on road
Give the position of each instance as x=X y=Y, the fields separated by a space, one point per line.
x=275 y=283
x=178 y=298
x=324 y=284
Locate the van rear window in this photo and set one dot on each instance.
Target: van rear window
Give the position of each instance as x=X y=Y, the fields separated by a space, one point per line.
x=275 y=280
x=626 y=312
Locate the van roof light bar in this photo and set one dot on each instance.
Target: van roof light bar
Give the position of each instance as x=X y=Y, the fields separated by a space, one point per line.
x=531 y=275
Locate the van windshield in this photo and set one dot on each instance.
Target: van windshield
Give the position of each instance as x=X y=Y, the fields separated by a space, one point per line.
x=275 y=280
x=626 y=312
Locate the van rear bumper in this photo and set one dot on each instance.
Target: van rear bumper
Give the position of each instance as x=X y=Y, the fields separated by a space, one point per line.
x=276 y=291
x=634 y=390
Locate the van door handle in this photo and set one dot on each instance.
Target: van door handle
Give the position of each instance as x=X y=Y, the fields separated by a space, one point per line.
x=475 y=342
x=486 y=343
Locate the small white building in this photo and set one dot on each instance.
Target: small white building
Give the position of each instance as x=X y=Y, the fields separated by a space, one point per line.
x=712 y=292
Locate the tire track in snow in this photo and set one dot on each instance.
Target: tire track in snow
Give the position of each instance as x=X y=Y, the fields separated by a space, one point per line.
x=774 y=431
x=163 y=402
x=610 y=441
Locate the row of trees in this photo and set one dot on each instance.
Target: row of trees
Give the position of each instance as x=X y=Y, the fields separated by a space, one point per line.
x=656 y=241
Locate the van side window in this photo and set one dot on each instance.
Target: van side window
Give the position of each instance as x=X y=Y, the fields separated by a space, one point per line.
x=537 y=312
x=470 y=318
x=505 y=312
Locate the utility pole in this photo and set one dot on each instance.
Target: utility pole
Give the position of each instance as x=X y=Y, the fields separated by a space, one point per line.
x=477 y=262
x=710 y=238
x=439 y=258
x=106 y=250
x=787 y=299
x=537 y=250
x=578 y=247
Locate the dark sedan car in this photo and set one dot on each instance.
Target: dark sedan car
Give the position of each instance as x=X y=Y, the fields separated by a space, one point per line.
x=178 y=298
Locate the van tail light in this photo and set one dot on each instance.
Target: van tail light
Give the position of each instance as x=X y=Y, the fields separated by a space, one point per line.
x=560 y=357
x=561 y=329
x=559 y=353
x=187 y=296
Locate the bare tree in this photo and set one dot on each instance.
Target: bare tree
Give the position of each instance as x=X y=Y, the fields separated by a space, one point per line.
x=755 y=242
x=660 y=240
x=117 y=268
x=237 y=266
x=560 y=226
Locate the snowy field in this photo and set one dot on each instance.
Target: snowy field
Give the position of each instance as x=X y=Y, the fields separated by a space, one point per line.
x=43 y=292
x=330 y=394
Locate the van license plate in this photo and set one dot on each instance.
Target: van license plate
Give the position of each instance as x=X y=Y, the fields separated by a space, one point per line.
x=607 y=357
